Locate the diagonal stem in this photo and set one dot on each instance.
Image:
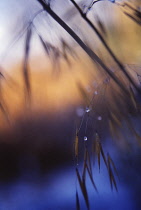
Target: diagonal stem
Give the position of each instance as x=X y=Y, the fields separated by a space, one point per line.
x=105 y=44
x=88 y=51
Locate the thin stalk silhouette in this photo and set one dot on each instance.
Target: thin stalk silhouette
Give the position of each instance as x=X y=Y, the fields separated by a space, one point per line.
x=88 y=51
x=84 y=16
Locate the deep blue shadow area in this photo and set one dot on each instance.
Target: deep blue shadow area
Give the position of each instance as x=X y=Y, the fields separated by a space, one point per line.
x=37 y=170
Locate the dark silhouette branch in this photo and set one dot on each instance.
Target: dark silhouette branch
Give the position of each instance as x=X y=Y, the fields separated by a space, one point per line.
x=105 y=44
x=89 y=52
x=133 y=18
x=136 y=17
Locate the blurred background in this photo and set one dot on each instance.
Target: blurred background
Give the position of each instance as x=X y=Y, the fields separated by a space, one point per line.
x=40 y=109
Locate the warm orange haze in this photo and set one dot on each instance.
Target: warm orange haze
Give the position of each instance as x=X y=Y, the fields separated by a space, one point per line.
x=52 y=90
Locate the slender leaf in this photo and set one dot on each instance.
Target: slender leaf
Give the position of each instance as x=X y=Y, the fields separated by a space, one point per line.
x=133 y=98
x=89 y=162
x=77 y=201
x=98 y=150
x=116 y=120
x=85 y=194
x=45 y=45
x=111 y=176
x=76 y=145
x=26 y=57
x=102 y=153
x=112 y=162
x=98 y=153
x=84 y=164
x=82 y=185
x=91 y=178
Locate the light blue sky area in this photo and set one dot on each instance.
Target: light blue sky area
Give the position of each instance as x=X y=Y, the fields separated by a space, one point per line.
x=15 y=15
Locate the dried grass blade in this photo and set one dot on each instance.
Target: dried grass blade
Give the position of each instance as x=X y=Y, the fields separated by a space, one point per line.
x=85 y=194
x=98 y=155
x=113 y=129
x=84 y=164
x=76 y=145
x=116 y=120
x=102 y=153
x=130 y=126
x=133 y=98
x=83 y=93
x=83 y=188
x=77 y=201
x=79 y=179
x=112 y=162
x=26 y=57
x=98 y=151
x=89 y=162
x=112 y=179
x=91 y=178
x=3 y=107
x=66 y=48
x=111 y=176
x=114 y=182
x=133 y=18
x=45 y=46
x=139 y=78
x=94 y=154
x=101 y=26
